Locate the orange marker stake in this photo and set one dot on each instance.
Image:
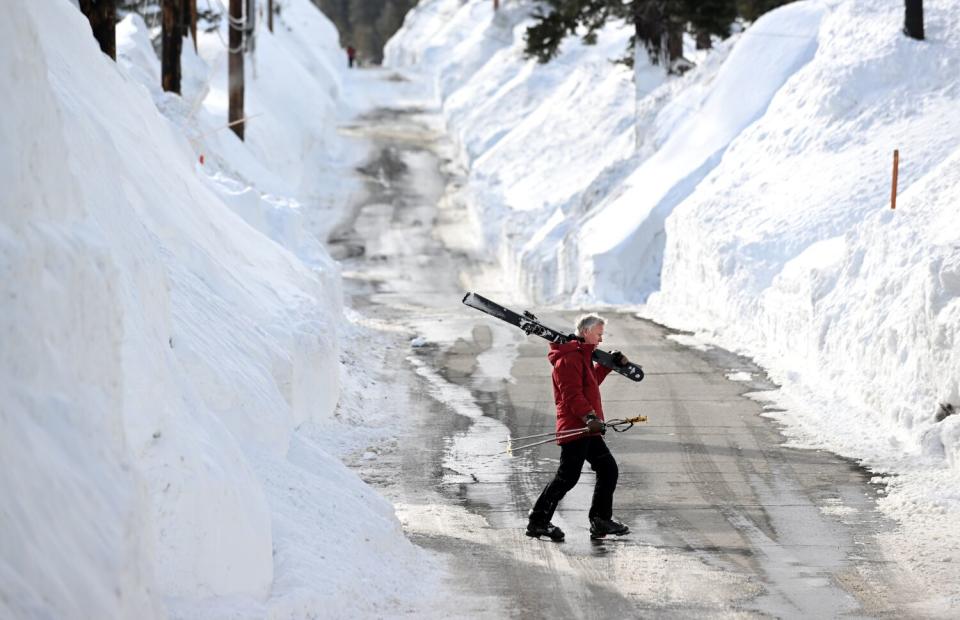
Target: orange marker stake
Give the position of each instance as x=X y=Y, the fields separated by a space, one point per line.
x=896 y=167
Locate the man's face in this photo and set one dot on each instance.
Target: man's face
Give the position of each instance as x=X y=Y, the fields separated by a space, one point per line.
x=594 y=335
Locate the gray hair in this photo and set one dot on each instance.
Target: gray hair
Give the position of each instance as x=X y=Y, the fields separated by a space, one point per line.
x=586 y=321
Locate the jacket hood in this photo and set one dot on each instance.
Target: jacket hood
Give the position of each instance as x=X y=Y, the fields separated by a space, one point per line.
x=557 y=351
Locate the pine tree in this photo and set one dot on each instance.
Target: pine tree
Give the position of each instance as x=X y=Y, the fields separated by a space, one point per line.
x=561 y=19
x=658 y=25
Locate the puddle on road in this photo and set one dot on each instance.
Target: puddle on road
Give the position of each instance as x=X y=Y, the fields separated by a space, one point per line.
x=469 y=455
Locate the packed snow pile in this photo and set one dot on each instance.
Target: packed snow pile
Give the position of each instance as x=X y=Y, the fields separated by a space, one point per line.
x=790 y=249
x=165 y=365
x=747 y=200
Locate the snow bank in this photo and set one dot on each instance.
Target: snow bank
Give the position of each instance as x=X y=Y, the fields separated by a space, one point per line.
x=790 y=250
x=622 y=239
x=159 y=353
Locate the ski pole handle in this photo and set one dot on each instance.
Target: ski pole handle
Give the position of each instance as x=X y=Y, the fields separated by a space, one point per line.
x=629 y=422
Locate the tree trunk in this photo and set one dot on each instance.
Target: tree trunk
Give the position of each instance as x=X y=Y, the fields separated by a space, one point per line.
x=270 y=15
x=103 y=21
x=235 y=71
x=193 y=23
x=172 y=44
x=703 y=40
x=913 y=19
x=674 y=41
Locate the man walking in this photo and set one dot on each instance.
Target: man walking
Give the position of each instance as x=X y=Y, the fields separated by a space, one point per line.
x=576 y=391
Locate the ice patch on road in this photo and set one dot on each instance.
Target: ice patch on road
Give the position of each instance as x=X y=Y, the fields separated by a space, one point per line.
x=457 y=397
x=836 y=508
x=473 y=453
x=688 y=340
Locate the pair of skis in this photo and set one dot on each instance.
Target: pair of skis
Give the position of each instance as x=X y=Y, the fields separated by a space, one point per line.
x=532 y=326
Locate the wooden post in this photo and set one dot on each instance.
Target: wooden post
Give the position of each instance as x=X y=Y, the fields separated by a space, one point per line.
x=896 y=166
x=102 y=15
x=235 y=68
x=270 y=15
x=172 y=45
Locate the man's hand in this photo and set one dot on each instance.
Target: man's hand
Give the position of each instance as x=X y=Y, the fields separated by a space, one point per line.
x=619 y=358
x=594 y=425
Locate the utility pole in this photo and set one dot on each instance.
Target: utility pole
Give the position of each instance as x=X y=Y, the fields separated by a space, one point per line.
x=235 y=67
x=172 y=44
x=103 y=21
x=913 y=19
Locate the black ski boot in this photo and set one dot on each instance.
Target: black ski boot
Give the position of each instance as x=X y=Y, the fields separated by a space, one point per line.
x=600 y=527
x=551 y=531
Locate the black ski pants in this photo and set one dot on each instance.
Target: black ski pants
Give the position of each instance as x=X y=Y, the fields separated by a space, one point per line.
x=572 y=456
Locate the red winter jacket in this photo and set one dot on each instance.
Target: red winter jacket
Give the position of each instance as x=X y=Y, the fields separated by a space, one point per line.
x=576 y=384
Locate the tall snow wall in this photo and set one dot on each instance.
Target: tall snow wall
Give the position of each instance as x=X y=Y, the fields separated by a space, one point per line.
x=789 y=249
x=159 y=352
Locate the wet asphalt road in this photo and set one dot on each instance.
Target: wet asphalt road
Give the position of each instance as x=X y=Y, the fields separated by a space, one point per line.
x=726 y=522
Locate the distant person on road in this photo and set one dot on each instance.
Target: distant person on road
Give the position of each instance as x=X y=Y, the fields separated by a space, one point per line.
x=576 y=391
x=351 y=56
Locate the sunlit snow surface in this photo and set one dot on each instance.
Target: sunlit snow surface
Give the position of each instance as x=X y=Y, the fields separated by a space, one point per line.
x=171 y=356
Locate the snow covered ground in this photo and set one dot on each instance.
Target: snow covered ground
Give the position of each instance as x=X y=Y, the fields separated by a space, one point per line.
x=173 y=369
x=747 y=201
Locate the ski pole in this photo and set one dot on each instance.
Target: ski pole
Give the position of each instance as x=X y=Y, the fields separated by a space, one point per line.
x=612 y=424
x=510 y=449
x=550 y=434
